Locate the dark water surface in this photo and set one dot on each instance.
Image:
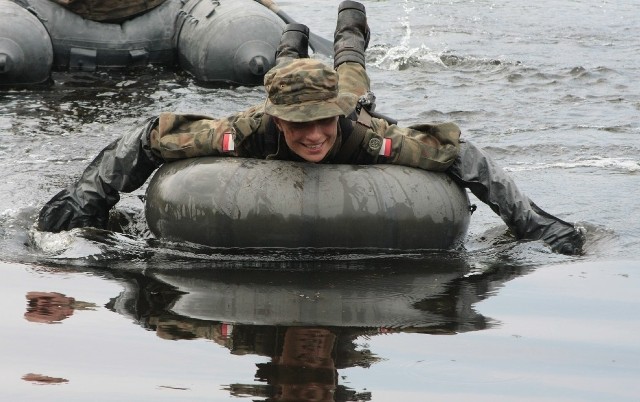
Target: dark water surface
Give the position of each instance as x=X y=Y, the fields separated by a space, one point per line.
x=550 y=89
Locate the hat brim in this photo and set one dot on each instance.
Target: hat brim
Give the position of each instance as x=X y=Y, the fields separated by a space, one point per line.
x=344 y=104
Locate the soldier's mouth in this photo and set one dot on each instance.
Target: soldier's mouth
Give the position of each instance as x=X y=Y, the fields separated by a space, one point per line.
x=314 y=147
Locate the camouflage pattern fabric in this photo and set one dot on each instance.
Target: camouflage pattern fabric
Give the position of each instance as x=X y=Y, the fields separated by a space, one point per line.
x=428 y=147
x=110 y=10
x=302 y=90
x=353 y=78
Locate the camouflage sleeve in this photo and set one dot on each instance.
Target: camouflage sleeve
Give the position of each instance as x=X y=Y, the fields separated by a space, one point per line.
x=180 y=136
x=353 y=78
x=426 y=146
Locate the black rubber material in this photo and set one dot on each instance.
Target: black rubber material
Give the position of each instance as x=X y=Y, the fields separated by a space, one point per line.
x=235 y=202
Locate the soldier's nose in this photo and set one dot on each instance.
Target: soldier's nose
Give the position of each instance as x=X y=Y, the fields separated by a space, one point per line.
x=315 y=130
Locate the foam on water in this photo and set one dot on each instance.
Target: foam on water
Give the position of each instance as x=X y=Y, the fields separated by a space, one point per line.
x=615 y=165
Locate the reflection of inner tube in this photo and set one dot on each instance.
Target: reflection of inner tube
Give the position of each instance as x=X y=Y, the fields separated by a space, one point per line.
x=235 y=202
x=231 y=41
x=408 y=298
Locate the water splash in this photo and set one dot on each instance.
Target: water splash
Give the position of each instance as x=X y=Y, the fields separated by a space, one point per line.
x=87 y=246
x=401 y=56
x=404 y=21
x=619 y=165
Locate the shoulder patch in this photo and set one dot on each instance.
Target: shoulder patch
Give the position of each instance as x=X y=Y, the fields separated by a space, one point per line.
x=385 y=148
x=375 y=143
x=228 y=143
x=382 y=145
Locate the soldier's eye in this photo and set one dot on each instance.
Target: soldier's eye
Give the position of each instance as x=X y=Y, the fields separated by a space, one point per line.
x=299 y=125
x=326 y=121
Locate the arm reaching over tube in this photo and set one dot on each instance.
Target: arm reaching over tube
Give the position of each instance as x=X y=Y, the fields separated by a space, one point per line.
x=124 y=165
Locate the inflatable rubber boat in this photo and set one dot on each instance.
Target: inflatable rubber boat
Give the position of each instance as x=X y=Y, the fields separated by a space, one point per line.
x=231 y=42
x=237 y=202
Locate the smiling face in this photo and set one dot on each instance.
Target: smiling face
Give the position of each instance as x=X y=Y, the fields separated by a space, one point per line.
x=311 y=140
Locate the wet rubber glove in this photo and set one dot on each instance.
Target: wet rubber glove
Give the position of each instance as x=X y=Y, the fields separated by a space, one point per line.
x=487 y=181
x=124 y=165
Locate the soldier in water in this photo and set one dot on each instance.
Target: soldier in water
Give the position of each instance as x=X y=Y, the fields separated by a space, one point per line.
x=312 y=114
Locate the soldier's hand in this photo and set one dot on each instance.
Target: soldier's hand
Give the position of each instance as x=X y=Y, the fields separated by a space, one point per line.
x=68 y=210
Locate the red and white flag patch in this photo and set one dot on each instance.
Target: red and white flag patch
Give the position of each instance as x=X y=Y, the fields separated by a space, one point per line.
x=385 y=149
x=228 y=145
x=226 y=329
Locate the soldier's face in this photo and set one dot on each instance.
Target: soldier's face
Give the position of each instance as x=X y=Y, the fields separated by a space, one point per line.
x=310 y=140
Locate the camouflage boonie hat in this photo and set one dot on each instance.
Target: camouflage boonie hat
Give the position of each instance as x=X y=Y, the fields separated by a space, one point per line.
x=305 y=90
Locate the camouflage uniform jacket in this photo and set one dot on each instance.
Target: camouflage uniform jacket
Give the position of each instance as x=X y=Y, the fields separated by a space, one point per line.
x=253 y=134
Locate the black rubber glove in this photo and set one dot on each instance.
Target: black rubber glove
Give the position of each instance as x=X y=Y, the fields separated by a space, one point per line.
x=124 y=165
x=487 y=181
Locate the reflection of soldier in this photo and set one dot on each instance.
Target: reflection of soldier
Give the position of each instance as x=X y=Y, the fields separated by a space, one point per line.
x=315 y=119
x=305 y=368
x=253 y=314
x=304 y=359
x=43 y=379
x=110 y=10
x=52 y=307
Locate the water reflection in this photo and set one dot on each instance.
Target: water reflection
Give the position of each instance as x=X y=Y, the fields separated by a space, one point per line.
x=41 y=379
x=308 y=323
x=52 y=307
